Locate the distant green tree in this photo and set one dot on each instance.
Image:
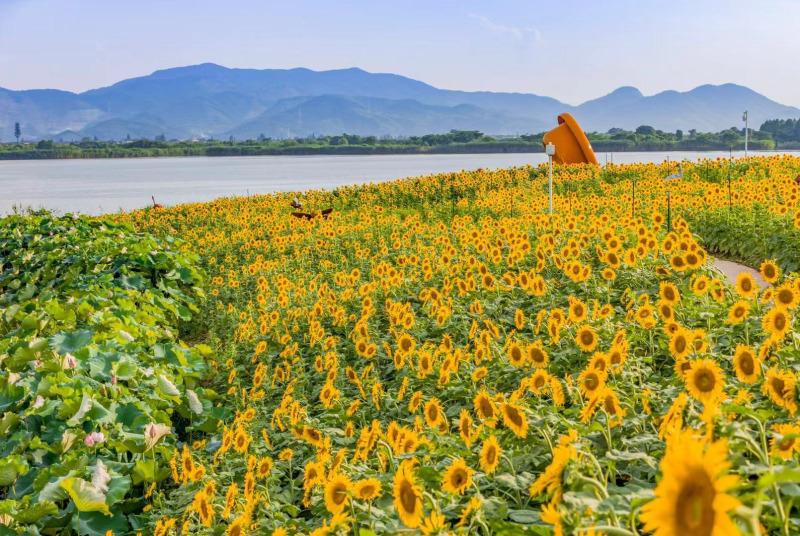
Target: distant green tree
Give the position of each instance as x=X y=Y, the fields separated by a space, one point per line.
x=730 y=137
x=679 y=134
x=17 y=131
x=782 y=129
x=645 y=130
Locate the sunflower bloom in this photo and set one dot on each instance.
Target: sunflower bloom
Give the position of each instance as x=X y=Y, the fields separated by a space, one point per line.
x=691 y=498
x=746 y=364
x=408 y=495
x=769 y=271
x=337 y=493
x=586 y=339
x=746 y=285
x=457 y=477
x=514 y=418
x=368 y=489
x=704 y=380
x=490 y=455
x=785 y=442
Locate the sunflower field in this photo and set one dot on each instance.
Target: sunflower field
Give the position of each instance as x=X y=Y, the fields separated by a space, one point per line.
x=440 y=355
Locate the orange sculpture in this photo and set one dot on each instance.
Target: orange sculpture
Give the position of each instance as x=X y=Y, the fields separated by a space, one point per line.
x=572 y=145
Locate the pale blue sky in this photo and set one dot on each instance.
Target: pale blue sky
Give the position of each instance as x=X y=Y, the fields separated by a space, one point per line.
x=568 y=49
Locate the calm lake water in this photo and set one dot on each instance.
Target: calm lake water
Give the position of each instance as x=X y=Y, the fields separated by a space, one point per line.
x=110 y=185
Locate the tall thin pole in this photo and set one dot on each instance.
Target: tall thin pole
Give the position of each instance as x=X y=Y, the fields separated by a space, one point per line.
x=745 y=133
x=730 y=195
x=550 y=173
x=669 y=212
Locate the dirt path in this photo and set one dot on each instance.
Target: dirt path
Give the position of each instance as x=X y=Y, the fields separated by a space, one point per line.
x=731 y=269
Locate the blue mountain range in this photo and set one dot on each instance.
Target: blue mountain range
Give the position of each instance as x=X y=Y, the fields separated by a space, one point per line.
x=208 y=100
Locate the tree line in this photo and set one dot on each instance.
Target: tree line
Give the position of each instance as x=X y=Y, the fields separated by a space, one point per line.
x=775 y=133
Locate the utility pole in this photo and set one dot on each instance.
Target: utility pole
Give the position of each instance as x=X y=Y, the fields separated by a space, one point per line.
x=669 y=179
x=744 y=118
x=550 y=149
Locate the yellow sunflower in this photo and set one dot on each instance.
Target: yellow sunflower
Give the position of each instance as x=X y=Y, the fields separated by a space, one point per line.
x=691 y=499
x=704 y=380
x=769 y=271
x=479 y=373
x=738 y=312
x=435 y=523
x=457 y=477
x=434 y=415
x=337 y=493
x=537 y=355
x=465 y=427
x=617 y=355
x=779 y=386
x=786 y=296
x=490 y=455
x=746 y=285
x=645 y=317
x=608 y=274
x=678 y=263
x=238 y=527
x=538 y=382
x=314 y=474
x=612 y=407
x=785 y=442
x=680 y=344
x=368 y=489
x=599 y=361
x=408 y=495
x=586 y=339
x=746 y=364
x=577 y=310
x=516 y=356
x=700 y=285
x=591 y=380
x=665 y=311
x=777 y=323
x=514 y=418
x=204 y=508
x=484 y=407
x=669 y=293
x=519 y=319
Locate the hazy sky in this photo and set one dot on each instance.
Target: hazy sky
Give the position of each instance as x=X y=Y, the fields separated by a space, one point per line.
x=568 y=49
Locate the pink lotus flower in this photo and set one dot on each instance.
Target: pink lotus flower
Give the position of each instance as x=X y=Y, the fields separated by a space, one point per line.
x=153 y=432
x=95 y=438
x=69 y=362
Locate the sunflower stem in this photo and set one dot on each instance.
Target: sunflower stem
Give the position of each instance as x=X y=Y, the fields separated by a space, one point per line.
x=355 y=519
x=513 y=472
x=545 y=433
x=778 y=501
x=610 y=529
x=596 y=484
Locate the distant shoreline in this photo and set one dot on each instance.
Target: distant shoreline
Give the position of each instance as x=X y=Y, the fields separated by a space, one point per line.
x=243 y=150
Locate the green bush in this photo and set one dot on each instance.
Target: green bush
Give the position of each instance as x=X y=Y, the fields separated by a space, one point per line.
x=748 y=235
x=92 y=371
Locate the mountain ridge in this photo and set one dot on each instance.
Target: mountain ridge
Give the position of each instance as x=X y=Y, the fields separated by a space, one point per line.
x=211 y=100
